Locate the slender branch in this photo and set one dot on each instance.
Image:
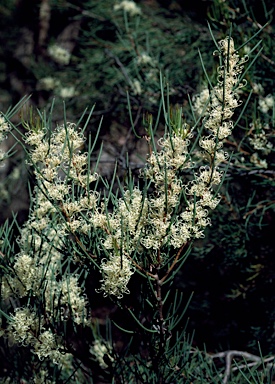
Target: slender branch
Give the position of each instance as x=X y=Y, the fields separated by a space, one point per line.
x=174 y=263
x=44 y=22
x=267 y=59
x=161 y=329
x=229 y=355
x=119 y=63
x=259 y=206
x=141 y=269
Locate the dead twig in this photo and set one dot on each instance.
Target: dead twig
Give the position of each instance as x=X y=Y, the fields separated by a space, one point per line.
x=230 y=355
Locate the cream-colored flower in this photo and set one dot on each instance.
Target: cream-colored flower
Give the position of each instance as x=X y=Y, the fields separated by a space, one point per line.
x=27 y=273
x=266 y=103
x=67 y=92
x=145 y=59
x=71 y=296
x=129 y=7
x=201 y=101
x=48 y=83
x=136 y=87
x=59 y=54
x=116 y=274
x=4 y=130
x=47 y=346
x=260 y=142
x=23 y=326
x=260 y=163
x=257 y=88
x=100 y=350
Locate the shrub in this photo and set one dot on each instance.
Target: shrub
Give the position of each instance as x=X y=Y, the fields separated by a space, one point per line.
x=122 y=244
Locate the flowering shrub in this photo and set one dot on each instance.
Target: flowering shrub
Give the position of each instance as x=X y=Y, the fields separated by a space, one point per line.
x=139 y=236
x=99 y=273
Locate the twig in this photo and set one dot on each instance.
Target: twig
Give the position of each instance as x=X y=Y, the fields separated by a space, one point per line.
x=229 y=355
x=267 y=59
x=119 y=63
x=140 y=268
x=259 y=206
x=44 y=22
x=173 y=264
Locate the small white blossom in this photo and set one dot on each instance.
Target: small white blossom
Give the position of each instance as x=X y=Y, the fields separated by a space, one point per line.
x=201 y=101
x=136 y=87
x=269 y=100
x=4 y=128
x=42 y=377
x=72 y=296
x=59 y=54
x=100 y=350
x=116 y=274
x=46 y=346
x=246 y=49
x=22 y=326
x=26 y=272
x=259 y=142
x=266 y=103
x=48 y=83
x=260 y=163
x=67 y=92
x=129 y=7
x=257 y=88
x=144 y=59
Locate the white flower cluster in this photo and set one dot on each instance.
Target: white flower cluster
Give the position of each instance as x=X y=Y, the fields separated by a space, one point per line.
x=4 y=129
x=260 y=142
x=52 y=84
x=39 y=273
x=139 y=221
x=128 y=6
x=99 y=351
x=224 y=97
x=136 y=86
x=153 y=221
x=25 y=328
x=48 y=83
x=201 y=101
x=163 y=169
x=67 y=92
x=266 y=103
x=42 y=377
x=59 y=54
x=173 y=214
x=116 y=274
x=256 y=160
x=129 y=218
x=39 y=266
x=58 y=166
x=123 y=228
x=217 y=113
x=144 y=59
x=58 y=159
x=257 y=88
x=71 y=296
